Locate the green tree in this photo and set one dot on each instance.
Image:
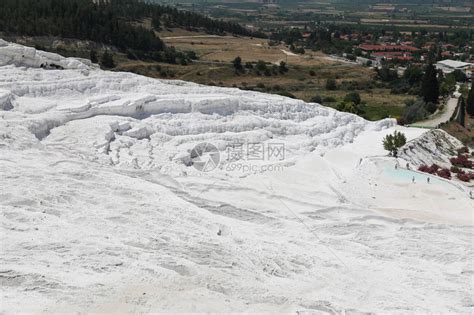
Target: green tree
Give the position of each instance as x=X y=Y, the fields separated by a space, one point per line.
x=261 y=65
x=470 y=100
x=415 y=110
x=282 y=68
x=316 y=99
x=353 y=97
x=413 y=74
x=350 y=107
x=331 y=84
x=448 y=84
x=107 y=60
x=393 y=142
x=461 y=118
x=459 y=75
x=93 y=56
x=430 y=85
x=156 y=22
x=386 y=74
x=237 y=63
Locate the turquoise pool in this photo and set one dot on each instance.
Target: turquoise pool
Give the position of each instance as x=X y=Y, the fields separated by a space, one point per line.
x=404 y=175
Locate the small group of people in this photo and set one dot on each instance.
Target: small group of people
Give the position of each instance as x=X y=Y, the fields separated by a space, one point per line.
x=413 y=180
x=427 y=178
x=408 y=168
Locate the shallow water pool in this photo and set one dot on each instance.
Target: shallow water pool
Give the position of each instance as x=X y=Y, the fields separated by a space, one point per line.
x=404 y=175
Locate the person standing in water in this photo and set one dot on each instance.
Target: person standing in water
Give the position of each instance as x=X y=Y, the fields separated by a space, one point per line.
x=413 y=179
x=428 y=180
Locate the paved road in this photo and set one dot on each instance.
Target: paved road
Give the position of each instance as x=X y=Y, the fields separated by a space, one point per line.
x=440 y=117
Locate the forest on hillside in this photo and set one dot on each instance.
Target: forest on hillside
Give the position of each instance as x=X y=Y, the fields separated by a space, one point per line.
x=107 y=22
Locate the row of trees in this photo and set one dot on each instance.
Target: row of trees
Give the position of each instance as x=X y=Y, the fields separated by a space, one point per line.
x=260 y=67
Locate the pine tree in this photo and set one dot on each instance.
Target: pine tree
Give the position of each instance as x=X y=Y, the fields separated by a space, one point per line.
x=107 y=60
x=155 y=22
x=237 y=62
x=462 y=112
x=93 y=56
x=470 y=100
x=430 y=85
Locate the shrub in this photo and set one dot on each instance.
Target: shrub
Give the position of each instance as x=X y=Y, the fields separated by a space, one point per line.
x=191 y=55
x=444 y=173
x=423 y=168
x=456 y=169
x=329 y=99
x=317 y=99
x=286 y=93
x=431 y=107
x=414 y=111
x=331 y=84
x=465 y=177
x=433 y=169
x=353 y=97
x=107 y=60
x=275 y=70
x=401 y=121
x=282 y=68
x=349 y=107
x=261 y=65
x=461 y=161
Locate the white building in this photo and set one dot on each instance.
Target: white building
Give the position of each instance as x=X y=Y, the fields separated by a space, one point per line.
x=448 y=66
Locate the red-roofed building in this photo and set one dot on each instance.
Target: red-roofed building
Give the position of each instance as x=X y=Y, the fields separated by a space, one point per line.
x=446 y=54
x=393 y=55
x=377 y=48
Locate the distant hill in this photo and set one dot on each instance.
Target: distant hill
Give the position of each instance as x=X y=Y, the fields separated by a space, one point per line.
x=112 y=22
